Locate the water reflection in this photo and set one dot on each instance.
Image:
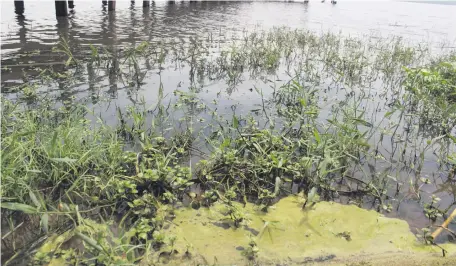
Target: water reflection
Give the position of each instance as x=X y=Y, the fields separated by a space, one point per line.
x=113 y=68
x=148 y=22
x=186 y=19
x=63 y=27
x=22 y=33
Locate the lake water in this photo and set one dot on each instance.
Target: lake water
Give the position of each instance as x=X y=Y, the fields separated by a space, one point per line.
x=28 y=40
x=131 y=23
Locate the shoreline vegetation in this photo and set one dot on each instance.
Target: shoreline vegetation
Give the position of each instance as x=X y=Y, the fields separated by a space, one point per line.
x=363 y=122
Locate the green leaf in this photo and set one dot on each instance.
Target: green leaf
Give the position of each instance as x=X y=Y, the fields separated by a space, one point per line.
x=68 y=62
x=279 y=165
x=226 y=143
x=235 y=122
x=260 y=150
x=34 y=171
x=24 y=134
x=317 y=136
x=362 y=122
x=34 y=199
x=45 y=222
x=54 y=141
x=437 y=138
x=64 y=160
x=425 y=72
x=19 y=207
x=89 y=241
x=389 y=113
x=452 y=138
x=392 y=177
x=94 y=50
x=313 y=195
x=78 y=215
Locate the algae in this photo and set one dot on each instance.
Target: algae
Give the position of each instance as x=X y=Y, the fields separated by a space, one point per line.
x=326 y=233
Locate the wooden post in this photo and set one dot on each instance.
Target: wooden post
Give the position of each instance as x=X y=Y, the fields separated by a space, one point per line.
x=61 y=8
x=111 y=5
x=444 y=225
x=146 y=3
x=19 y=7
x=71 y=4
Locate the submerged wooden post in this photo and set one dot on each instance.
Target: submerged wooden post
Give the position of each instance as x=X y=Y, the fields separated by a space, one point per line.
x=71 y=4
x=19 y=7
x=146 y=3
x=111 y=5
x=61 y=8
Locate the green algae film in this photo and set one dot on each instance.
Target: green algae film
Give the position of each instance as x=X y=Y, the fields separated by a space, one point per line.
x=326 y=232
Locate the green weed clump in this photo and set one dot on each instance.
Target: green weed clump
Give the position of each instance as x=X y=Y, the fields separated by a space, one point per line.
x=433 y=93
x=263 y=163
x=63 y=169
x=54 y=151
x=437 y=80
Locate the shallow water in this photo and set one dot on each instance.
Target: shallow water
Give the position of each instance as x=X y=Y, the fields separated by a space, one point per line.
x=28 y=40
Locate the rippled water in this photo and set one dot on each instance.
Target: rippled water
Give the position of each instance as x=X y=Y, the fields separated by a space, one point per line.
x=27 y=40
x=131 y=23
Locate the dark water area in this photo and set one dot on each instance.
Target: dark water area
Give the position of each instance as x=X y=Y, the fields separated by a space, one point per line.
x=27 y=42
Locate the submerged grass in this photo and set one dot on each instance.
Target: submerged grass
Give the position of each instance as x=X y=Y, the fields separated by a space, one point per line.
x=321 y=129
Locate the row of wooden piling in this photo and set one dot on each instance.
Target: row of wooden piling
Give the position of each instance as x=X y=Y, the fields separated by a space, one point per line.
x=62 y=6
